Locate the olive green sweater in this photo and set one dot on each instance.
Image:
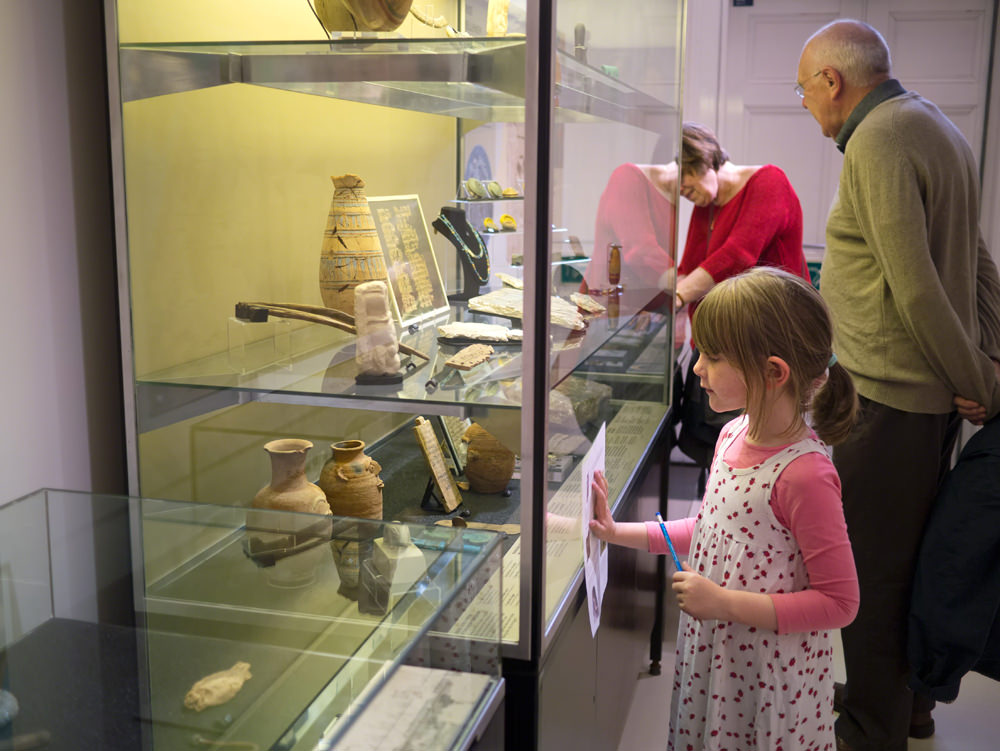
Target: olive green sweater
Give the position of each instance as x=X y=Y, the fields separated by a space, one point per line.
x=914 y=294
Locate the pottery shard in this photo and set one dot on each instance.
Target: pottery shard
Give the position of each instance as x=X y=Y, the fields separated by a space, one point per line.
x=469 y=357
x=587 y=303
x=488 y=332
x=217 y=688
x=509 y=302
x=510 y=281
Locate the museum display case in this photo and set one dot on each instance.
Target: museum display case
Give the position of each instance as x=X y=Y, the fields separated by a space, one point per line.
x=469 y=147
x=130 y=623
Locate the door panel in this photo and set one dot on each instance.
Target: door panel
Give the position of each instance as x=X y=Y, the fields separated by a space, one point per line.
x=941 y=51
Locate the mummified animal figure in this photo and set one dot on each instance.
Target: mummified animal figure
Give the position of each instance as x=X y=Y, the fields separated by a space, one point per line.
x=217 y=688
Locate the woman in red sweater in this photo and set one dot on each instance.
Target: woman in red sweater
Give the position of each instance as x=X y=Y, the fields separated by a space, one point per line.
x=744 y=216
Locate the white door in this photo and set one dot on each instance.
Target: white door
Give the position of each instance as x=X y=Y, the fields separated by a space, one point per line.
x=940 y=48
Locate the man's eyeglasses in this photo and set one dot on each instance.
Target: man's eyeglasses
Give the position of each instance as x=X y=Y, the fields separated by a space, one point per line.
x=799 y=90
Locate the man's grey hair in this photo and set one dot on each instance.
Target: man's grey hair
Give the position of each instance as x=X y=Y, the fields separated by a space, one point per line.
x=854 y=49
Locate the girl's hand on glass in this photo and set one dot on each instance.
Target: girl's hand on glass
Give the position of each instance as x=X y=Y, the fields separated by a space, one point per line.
x=697 y=596
x=602 y=525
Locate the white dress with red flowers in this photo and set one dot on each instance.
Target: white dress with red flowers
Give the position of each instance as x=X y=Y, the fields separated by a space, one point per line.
x=736 y=687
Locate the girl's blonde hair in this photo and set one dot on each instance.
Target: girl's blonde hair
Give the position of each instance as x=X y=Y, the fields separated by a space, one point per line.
x=768 y=312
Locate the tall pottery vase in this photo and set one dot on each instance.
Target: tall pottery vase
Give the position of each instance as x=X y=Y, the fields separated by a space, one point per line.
x=353 y=487
x=352 y=253
x=293 y=500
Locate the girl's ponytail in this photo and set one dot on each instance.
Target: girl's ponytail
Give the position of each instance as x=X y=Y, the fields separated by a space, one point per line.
x=835 y=406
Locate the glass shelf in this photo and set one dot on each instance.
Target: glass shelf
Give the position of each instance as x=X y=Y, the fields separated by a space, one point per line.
x=487 y=200
x=323 y=371
x=475 y=78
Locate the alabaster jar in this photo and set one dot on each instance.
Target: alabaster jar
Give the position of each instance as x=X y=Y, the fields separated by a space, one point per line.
x=351 y=482
x=490 y=464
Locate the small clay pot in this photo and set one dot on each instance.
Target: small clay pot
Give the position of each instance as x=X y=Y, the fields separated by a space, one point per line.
x=351 y=482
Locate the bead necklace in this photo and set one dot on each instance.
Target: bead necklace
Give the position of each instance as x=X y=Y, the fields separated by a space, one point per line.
x=483 y=278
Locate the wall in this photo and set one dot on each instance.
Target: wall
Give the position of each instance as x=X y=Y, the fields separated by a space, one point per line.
x=60 y=378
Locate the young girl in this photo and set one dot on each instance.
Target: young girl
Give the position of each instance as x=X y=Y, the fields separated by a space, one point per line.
x=769 y=567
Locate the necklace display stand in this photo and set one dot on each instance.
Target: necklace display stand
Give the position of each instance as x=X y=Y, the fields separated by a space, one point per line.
x=454 y=226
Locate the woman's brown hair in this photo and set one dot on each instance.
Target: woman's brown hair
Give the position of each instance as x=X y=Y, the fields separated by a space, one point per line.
x=700 y=150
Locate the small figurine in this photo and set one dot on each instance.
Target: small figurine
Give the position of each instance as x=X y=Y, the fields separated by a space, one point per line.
x=377 y=351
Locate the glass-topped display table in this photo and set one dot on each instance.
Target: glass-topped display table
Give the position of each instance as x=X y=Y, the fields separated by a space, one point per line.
x=237 y=633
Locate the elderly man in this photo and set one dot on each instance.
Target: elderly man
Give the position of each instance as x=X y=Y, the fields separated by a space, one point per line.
x=915 y=300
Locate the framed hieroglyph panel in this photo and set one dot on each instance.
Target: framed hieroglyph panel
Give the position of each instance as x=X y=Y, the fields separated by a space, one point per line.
x=415 y=284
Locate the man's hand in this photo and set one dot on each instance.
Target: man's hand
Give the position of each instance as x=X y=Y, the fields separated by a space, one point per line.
x=969 y=410
x=973 y=411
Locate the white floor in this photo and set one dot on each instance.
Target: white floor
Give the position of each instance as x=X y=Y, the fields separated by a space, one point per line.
x=972 y=723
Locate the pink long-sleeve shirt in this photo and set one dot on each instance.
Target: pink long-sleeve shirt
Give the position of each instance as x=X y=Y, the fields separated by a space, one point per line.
x=806 y=500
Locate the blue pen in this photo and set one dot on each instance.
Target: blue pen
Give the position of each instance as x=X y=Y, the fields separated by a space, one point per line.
x=673 y=553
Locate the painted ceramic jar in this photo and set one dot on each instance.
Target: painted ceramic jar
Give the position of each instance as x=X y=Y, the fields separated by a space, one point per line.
x=351 y=252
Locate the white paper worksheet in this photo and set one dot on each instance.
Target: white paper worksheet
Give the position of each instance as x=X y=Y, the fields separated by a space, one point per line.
x=595 y=552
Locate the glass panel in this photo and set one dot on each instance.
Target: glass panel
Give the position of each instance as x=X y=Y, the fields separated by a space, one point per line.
x=249 y=627
x=614 y=260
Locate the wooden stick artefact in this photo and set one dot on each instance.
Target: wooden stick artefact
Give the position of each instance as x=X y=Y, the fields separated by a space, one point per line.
x=257 y=312
x=317 y=309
